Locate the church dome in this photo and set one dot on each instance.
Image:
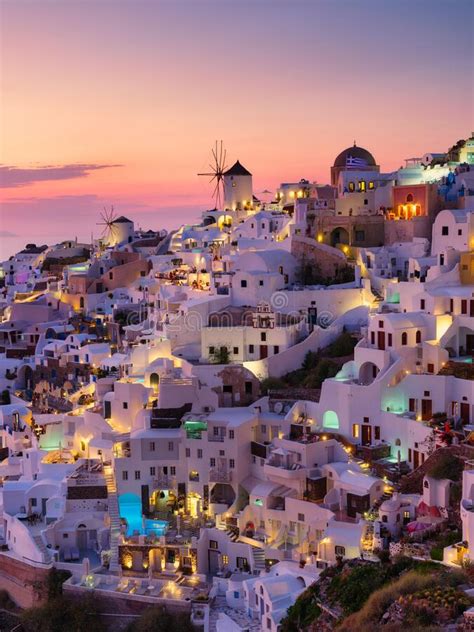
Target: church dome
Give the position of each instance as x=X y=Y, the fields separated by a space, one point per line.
x=355 y=157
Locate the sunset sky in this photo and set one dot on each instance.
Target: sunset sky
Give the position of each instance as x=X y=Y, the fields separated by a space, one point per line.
x=119 y=102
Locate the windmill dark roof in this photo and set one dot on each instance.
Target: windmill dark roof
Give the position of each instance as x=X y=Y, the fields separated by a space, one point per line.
x=357 y=153
x=237 y=170
x=122 y=220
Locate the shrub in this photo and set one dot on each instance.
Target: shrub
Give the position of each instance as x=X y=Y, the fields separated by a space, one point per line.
x=310 y=360
x=158 y=619
x=56 y=579
x=380 y=599
x=323 y=370
x=271 y=383
x=436 y=553
x=442 y=541
x=342 y=346
x=447 y=466
x=383 y=555
x=221 y=355
x=303 y=612
x=351 y=588
x=64 y=613
x=5 y=601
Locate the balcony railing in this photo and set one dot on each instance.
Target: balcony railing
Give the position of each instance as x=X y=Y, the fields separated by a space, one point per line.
x=219 y=438
x=220 y=476
x=283 y=466
x=164 y=481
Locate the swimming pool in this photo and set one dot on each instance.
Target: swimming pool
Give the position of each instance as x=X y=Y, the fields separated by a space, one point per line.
x=130 y=509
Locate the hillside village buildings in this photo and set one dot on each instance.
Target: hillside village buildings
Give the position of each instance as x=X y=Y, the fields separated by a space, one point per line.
x=151 y=440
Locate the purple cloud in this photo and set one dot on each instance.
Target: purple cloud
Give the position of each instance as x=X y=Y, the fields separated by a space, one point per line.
x=11 y=177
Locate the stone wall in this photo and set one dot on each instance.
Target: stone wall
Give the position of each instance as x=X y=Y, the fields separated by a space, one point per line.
x=23 y=581
x=237 y=377
x=406 y=230
x=328 y=259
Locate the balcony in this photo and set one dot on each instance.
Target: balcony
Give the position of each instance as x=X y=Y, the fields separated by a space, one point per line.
x=163 y=481
x=218 y=438
x=220 y=476
x=260 y=449
x=292 y=472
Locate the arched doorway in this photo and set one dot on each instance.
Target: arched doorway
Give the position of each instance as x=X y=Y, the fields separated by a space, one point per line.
x=368 y=372
x=81 y=537
x=154 y=381
x=25 y=377
x=331 y=420
x=339 y=236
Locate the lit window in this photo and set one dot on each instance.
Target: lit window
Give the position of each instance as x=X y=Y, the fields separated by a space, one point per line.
x=371 y=185
x=355 y=431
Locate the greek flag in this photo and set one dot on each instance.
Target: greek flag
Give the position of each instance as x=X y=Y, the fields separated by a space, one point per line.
x=352 y=162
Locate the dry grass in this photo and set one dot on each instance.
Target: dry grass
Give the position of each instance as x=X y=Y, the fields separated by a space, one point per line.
x=371 y=612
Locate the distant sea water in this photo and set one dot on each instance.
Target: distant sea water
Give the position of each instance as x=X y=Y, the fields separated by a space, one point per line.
x=21 y=226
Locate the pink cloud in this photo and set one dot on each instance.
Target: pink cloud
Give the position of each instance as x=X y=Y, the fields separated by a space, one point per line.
x=11 y=177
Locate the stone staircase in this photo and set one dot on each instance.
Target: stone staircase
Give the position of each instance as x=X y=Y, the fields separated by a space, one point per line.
x=368 y=538
x=233 y=533
x=374 y=510
x=43 y=548
x=114 y=516
x=258 y=559
x=368 y=543
x=258 y=554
